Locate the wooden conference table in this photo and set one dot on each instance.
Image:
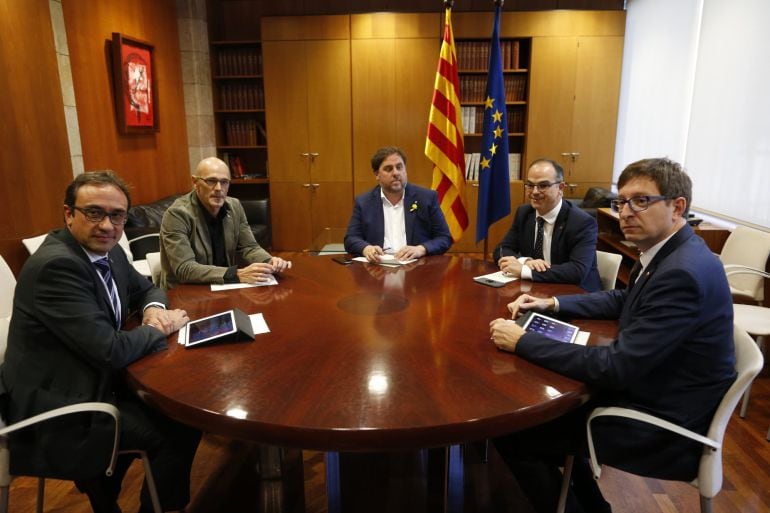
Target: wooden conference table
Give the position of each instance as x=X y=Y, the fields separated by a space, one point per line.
x=362 y=357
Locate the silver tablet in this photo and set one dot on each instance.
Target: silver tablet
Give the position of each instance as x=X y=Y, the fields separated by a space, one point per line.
x=548 y=327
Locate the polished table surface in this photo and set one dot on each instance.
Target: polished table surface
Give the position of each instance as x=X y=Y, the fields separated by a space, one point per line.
x=361 y=357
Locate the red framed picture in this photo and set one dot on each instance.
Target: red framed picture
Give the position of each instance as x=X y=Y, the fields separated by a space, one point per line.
x=136 y=94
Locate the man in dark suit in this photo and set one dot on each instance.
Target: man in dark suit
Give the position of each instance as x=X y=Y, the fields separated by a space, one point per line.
x=67 y=344
x=550 y=240
x=395 y=217
x=674 y=355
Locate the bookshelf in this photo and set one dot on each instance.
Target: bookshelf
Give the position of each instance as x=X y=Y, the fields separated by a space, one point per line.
x=473 y=64
x=239 y=109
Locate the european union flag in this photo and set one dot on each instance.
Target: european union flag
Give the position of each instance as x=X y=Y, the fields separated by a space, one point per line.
x=494 y=191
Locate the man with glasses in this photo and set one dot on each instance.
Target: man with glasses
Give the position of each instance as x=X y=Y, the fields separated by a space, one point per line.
x=550 y=240
x=673 y=356
x=204 y=234
x=67 y=344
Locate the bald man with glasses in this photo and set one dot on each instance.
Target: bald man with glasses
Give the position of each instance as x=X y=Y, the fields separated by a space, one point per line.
x=205 y=234
x=550 y=240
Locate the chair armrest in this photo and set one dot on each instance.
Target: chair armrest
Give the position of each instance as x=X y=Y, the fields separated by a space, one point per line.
x=107 y=408
x=731 y=269
x=615 y=411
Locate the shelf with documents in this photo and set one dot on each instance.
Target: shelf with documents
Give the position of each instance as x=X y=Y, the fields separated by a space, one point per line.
x=473 y=64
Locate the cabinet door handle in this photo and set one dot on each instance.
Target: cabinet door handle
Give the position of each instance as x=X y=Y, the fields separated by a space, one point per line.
x=315 y=185
x=475 y=184
x=305 y=154
x=306 y=185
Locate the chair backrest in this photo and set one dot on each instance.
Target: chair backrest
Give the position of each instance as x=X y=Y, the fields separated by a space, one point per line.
x=747 y=247
x=608 y=264
x=33 y=243
x=153 y=261
x=7 y=287
x=748 y=363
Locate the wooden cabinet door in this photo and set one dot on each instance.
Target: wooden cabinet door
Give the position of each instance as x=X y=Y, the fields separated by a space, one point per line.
x=307 y=87
x=594 y=121
x=286 y=107
x=574 y=106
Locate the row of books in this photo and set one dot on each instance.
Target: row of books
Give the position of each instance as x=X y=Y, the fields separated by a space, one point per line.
x=233 y=62
x=474 y=55
x=238 y=168
x=244 y=132
x=473 y=88
x=473 y=119
x=241 y=96
x=473 y=161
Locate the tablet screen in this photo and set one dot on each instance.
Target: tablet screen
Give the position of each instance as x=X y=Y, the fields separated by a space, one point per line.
x=210 y=327
x=551 y=328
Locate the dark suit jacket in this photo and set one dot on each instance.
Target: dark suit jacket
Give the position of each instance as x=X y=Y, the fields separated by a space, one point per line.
x=573 y=246
x=423 y=220
x=674 y=356
x=63 y=348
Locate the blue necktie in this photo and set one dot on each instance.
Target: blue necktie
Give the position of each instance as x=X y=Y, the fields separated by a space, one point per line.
x=103 y=266
x=538 y=255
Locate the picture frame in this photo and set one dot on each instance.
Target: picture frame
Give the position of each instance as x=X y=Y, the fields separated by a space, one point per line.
x=134 y=81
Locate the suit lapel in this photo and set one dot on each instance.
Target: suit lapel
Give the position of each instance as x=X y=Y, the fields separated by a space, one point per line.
x=558 y=229
x=65 y=236
x=377 y=222
x=673 y=243
x=409 y=216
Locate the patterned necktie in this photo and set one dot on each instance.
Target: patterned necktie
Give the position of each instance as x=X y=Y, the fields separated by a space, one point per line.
x=538 y=255
x=103 y=266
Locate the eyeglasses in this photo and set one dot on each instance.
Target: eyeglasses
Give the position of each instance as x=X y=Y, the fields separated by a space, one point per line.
x=541 y=187
x=97 y=215
x=212 y=182
x=637 y=203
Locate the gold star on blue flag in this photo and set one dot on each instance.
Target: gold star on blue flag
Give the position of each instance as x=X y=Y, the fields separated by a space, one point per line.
x=494 y=192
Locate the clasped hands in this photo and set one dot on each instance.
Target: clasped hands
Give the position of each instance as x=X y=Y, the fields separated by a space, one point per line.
x=505 y=333
x=373 y=253
x=511 y=265
x=260 y=272
x=167 y=321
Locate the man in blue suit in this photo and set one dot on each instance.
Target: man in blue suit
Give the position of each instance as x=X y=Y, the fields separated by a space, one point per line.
x=550 y=240
x=673 y=358
x=395 y=217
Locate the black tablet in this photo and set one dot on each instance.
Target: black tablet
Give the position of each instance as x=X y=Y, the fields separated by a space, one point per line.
x=229 y=325
x=548 y=327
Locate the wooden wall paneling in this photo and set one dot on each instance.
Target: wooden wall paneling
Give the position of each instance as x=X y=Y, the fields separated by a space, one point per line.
x=540 y=23
x=374 y=98
x=156 y=164
x=286 y=109
x=308 y=108
x=289 y=212
x=552 y=85
x=597 y=93
x=329 y=110
x=35 y=161
x=393 y=72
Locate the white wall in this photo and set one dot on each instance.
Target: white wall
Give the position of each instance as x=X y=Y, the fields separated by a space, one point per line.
x=694 y=88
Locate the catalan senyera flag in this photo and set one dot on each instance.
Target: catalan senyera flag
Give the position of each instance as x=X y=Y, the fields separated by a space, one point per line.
x=494 y=191
x=444 y=143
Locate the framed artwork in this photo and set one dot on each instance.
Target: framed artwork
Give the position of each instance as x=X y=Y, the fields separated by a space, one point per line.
x=136 y=94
